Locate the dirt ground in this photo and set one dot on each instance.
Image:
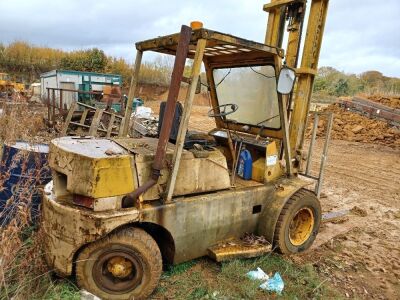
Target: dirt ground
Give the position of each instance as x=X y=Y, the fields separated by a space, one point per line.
x=198 y=118
x=359 y=254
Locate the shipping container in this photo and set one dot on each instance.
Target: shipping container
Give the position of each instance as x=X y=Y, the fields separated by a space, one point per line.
x=76 y=80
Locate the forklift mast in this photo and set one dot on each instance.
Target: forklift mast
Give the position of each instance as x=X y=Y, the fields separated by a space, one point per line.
x=298 y=102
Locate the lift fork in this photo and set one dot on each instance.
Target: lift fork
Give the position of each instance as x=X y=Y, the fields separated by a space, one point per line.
x=319 y=179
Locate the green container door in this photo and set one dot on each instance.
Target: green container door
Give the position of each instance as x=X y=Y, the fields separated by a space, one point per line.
x=85 y=98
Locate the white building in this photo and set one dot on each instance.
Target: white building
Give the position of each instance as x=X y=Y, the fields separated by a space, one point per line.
x=75 y=80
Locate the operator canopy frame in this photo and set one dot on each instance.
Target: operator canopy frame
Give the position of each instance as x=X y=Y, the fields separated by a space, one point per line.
x=225 y=51
x=221 y=49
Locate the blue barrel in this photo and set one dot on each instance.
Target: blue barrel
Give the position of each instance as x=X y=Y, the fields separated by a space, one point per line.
x=245 y=165
x=23 y=169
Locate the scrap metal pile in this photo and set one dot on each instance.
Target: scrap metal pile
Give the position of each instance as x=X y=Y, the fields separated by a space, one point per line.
x=385 y=109
x=393 y=102
x=145 y=126
x=372 y=120
x=145 y=123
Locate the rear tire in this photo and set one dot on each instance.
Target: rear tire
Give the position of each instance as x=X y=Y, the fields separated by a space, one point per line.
x=126 y=264
x=298 y=223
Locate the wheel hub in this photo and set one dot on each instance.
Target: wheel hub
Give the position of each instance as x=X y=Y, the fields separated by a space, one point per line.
x=118 y=271
x=301 y=226
x=119 y=267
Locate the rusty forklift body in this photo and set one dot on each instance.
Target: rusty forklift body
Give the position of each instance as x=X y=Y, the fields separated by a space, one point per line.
x=191 y=202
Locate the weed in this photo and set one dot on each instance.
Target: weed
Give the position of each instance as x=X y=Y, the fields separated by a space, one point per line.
x=23 y=272
x=199 y=293
x=204 y=279
x=59 y=290
x=179 y=269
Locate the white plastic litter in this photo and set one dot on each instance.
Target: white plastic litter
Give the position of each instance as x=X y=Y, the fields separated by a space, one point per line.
x=274 y=284
x=258 y=274
x=143 y=112
x=85 y=295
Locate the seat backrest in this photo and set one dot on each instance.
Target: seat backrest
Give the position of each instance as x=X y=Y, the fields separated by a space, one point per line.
x=175 y=123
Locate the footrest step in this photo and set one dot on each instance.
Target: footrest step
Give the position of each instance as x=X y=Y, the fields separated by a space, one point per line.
x=237 y=248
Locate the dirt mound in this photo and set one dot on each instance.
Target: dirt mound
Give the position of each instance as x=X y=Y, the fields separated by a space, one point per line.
x=151 y=91
x=393 y=102
x=350 y=126
x=202 y=99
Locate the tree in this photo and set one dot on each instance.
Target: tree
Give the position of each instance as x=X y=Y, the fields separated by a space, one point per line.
x=23 y=60
x=121 y=67
x=92 y=60
x=341 y=87
x=320 y=84
x=372 y=76
x=95 y=60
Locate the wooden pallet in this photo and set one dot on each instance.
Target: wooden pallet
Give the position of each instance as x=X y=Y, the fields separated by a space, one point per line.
x=93 y=126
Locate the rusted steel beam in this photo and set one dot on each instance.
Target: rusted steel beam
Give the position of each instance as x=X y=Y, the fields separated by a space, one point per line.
x=53 y=117
x=48 y=105
x=176 y=79
x=194 y=77
x=84 y=92
x=61 y=103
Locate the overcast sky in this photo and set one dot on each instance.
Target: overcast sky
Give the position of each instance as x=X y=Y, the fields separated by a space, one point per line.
x=359 y=35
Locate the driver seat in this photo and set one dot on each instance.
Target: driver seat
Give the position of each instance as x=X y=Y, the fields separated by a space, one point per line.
x=192 y=137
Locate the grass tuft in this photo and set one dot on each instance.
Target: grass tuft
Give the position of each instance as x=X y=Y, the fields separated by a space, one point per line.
x=179 y=269
x=205 y=279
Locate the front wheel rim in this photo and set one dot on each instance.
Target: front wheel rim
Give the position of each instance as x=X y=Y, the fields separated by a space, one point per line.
x=301 y=226
x=118 y=271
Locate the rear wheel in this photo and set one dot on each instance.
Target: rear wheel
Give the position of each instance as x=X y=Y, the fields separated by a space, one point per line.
x=124 y=265
x=298 y=223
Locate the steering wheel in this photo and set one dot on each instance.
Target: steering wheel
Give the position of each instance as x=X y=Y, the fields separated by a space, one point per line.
x=223 y=110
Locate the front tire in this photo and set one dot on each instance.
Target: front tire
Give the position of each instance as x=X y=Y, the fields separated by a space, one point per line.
x=298 y=223
x=126 y=264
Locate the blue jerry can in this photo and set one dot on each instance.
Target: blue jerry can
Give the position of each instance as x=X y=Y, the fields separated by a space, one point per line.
x=245 y=164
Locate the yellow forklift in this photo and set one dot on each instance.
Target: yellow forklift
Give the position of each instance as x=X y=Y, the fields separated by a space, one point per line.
x=9 y=86
x=118 y=209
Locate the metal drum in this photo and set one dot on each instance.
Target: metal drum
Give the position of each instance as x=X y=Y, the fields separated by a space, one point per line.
x=23 y=169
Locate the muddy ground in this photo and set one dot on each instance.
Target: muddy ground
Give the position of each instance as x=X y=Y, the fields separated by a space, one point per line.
x=359 y=254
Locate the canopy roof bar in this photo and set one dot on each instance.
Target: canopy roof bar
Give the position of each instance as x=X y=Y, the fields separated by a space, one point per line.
x=217 y=45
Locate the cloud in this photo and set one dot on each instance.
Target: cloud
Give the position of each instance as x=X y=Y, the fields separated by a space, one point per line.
x=359 y=36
